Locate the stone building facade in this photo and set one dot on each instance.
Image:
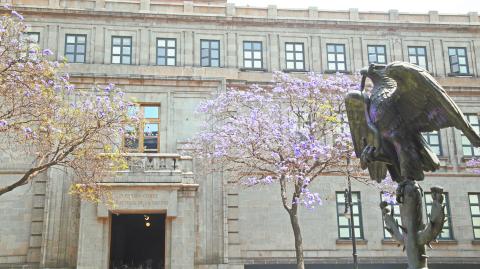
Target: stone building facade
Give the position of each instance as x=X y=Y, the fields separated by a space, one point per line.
x=170 y=55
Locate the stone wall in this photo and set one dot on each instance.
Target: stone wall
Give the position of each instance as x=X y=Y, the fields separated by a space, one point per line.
x=225 y=226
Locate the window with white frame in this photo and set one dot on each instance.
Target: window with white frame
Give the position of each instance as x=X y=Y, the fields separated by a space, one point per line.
x=468 y=149
x=121 y=49
x=344 y=222
x=395 y=211
x=418 y=55
x=167 y=51
x=33 y=37
x=295 y=56
x=252 y=55
x=75 y=48
x=377 y=54
x=336 y=60
x=474 y=201
x=433 y=140
x=447 y=233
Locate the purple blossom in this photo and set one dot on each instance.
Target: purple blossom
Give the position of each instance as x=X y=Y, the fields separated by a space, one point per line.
x=16 y=14
x=475 y=164
x=3 y=123
x=280 y=131
x=109 y=87
x=47 y=52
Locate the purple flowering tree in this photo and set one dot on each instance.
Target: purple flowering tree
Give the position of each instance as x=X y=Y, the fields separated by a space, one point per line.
x=46 y=121
x=475 y=165
x=291 y=134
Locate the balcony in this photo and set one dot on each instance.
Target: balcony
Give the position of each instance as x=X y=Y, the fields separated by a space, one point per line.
x=156 y=168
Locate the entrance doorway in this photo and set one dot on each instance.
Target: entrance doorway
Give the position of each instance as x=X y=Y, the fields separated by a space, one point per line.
x=137 y=241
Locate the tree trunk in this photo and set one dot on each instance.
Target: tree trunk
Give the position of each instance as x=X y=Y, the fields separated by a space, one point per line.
x=298 y=238
x=292 y=213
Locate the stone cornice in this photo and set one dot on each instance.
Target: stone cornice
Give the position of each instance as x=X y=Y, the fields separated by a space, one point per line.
x=446 y=25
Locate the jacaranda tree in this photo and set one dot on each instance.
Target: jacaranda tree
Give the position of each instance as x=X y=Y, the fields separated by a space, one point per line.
x=46 y=121
x=290 y=134
x=475 y=165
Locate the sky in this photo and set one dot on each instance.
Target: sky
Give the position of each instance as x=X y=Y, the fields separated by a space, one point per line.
x=412 y=6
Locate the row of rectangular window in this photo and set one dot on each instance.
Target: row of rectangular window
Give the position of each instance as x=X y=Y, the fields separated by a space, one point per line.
x=344 y=222
x=468 y=150
x=75 y=50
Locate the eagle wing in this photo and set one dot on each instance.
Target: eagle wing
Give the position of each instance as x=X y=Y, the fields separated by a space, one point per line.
x=423 y=104
x=356 y=106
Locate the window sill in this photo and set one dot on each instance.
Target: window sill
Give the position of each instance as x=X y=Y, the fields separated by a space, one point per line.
x=349 y=241
x=476 y=242
x=294 y=70
x=336 y=71
x=465 y=159
x=389 y=242
x=243 y=69
x=459 y=75
x=445 y=242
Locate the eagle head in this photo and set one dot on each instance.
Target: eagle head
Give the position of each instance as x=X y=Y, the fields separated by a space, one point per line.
x=375 y=72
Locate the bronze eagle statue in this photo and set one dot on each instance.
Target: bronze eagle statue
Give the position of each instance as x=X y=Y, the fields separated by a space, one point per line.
x=387 y=125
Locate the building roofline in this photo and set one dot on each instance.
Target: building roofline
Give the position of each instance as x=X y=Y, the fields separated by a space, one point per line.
x=271 y=14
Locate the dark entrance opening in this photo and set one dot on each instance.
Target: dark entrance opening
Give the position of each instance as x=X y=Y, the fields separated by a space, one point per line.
x=138 y=241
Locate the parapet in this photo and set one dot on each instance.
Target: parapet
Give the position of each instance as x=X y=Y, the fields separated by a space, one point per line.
x=221 y=8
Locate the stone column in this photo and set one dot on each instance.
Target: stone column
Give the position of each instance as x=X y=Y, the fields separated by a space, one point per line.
x=437 y=55
x=231 y=51
x=60 y=224
x=188 y=59
x=183 y=232
x=99 y=45
x=144 y=43
x=274 y=52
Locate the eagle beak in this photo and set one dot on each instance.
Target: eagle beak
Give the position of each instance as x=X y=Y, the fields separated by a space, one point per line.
x=363 y=72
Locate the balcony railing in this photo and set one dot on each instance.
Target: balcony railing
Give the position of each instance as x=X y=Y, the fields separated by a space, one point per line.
x=158 y=162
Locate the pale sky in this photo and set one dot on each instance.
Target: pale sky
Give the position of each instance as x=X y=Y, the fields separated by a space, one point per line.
x=413 y=6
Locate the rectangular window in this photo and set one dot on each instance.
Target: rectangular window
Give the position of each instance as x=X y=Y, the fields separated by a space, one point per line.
x=252 y=55
x=147 y=138
x=167 y=51
x=75 y=48
x=458 y=61
x=377 y=54
x=447 y=233
x=336 y=57
x=294 y=56
x=418 y=56
x=433 y=140
x=474 y=200
x=344 y=223
x=468 y=149
x=396 y=216
x=121 y=50
x=210 y=53
x=34 y=37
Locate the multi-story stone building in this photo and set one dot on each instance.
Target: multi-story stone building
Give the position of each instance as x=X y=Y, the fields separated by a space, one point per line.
x=170 y=55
